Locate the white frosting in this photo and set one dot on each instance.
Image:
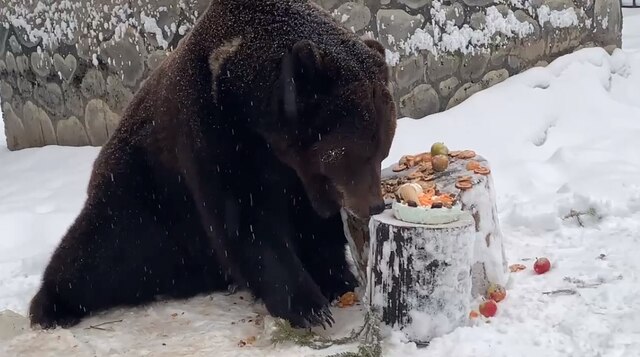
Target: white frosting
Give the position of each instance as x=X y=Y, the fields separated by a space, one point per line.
x=424 y=215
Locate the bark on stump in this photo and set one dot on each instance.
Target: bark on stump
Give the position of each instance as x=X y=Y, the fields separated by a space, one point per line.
x=419 y=276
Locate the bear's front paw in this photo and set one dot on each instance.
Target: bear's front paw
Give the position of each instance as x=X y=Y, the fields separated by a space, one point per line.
x=305 y=314
x=303 y=309
x=336 y=285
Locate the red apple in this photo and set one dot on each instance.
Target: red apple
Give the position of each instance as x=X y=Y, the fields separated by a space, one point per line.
x=542 y=265
x=488 y=308
x=496 y=292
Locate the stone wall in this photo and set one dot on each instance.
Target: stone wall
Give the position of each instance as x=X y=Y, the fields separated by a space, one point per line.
x=69 y=67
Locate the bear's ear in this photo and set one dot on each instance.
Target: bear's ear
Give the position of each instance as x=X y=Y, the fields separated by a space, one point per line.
x=306 y=57
x=309 y=67
x=217 y=59
x=305 y=74
x=375 y=45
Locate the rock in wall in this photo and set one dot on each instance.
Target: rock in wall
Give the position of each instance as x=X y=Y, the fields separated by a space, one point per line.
x=68 y=68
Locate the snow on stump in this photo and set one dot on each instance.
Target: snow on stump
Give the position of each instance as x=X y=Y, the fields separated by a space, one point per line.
x=420 y=274
x=468 y=178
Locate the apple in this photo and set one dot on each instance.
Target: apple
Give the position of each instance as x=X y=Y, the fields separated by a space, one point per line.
x=439 y=149
x=542 y=265
x=496 y=292
x=440 y=163
x=488 y=308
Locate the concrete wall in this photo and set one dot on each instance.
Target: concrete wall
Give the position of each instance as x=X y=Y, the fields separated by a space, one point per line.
x=69 y=67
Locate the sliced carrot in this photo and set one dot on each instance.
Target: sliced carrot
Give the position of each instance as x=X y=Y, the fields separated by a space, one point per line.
x=467 y=154
x=399 y=168
x=472 y=165
x=464 y=185
x=482 y=170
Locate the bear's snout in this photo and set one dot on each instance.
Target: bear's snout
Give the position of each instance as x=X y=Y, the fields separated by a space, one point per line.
x=376 y=209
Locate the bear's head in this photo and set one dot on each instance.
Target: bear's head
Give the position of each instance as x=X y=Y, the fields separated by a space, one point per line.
x=345 y=120
x=328 y=113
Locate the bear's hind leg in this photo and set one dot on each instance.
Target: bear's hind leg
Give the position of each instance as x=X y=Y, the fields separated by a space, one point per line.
x=114 y=254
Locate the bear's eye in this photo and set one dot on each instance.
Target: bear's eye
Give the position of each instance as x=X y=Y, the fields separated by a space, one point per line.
x=331 y=156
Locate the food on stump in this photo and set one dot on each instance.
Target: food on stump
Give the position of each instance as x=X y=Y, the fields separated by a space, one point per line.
x=464 y=184
x=408 y=160
x=439 y=149
x=399 y=168
x=426 y=167
x=410 y=192
x=542 y=265
x=425 y=196
x=415 y=175
x=347 y=299
x=430 y=207
x=472 y=165
x=496 y=292
x=467 y=154
x=423 y=157
x=427 y=185
x=482 y=170
x=440 y=162
x=488 y=308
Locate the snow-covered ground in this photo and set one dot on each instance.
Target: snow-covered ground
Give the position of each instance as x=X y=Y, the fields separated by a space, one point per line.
x=559 y=138
x=631 y=28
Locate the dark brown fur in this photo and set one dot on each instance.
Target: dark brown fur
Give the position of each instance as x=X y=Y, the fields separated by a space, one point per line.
x=230 y=166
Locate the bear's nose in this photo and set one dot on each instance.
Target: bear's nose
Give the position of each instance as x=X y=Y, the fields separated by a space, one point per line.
x=376 y=209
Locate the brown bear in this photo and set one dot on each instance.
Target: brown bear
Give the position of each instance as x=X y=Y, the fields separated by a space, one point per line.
x=230 y=166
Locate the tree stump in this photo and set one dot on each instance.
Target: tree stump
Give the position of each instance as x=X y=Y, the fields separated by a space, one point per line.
x=489 y=263
x=419 y=275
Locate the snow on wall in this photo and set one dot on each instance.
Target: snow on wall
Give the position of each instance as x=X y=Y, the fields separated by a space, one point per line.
x=72 y=57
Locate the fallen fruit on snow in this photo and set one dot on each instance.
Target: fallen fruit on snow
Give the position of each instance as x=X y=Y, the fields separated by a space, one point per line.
x=474 y=314
x=248 y=341
x=348 y=299
x=488 y=308
x=496 y=292
x=517 y=267
x=542 y=265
